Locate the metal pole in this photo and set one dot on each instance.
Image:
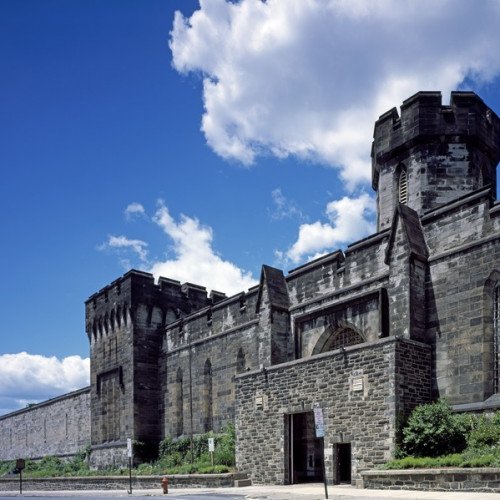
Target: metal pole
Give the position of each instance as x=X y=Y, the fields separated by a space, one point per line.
x=292 y=467
x=130 y=475
x=21 y=482
x=324 y=468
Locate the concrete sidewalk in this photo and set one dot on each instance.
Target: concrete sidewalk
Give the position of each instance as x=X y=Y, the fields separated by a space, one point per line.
x=293 y=492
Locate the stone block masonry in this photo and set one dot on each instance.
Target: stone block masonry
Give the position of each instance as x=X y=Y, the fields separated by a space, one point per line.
x=393 y=375
x=451 y=479
x=59 y=426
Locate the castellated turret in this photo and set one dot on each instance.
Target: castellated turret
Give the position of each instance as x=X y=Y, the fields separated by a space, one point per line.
x=124 y=321
x=433 y=153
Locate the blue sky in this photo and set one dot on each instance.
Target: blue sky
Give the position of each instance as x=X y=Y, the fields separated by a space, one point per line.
x=228 y=135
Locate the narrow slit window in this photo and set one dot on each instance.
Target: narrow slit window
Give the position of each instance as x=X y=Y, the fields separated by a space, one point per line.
x=403 y=187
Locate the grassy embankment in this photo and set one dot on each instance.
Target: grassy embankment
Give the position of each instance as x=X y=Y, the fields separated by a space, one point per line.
x=175 y=457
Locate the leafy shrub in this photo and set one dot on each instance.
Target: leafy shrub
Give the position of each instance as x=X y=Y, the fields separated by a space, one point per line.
x=177 y=455
x=485 y=432
x=432 y=430
x=225 y=447
x=6 y=467
x=145 y=469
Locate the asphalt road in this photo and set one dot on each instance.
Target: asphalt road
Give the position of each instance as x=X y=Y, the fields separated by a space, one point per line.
x=270 y=492
x=198 y=496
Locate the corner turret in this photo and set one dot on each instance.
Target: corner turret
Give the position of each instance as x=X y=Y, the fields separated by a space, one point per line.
x=124 y=324
x=433 y=153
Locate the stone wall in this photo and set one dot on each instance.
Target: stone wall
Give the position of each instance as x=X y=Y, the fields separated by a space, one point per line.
x=120 y=482
x=206 y=367
x=452 y=479
x=356 y=388
x=59 y=426
x=465 y=254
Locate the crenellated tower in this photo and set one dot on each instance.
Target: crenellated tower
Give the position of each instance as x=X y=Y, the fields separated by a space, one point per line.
x=124 y=324
x=433 y=153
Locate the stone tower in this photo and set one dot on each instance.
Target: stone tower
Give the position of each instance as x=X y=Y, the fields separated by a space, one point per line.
x=432 y=153
x=124 y=324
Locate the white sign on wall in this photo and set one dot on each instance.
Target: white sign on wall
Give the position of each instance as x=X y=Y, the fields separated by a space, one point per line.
x=319 y=424
x=129 y=448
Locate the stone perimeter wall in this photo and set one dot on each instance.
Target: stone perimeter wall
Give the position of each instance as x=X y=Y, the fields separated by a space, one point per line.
x=120 y=482
x=59 y=426
x=479 y=479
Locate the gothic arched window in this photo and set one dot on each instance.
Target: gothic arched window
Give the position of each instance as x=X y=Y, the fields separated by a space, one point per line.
x=332 y=339
x=403 y=187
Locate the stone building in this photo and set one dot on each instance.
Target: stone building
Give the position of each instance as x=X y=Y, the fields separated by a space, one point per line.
x=396 y=319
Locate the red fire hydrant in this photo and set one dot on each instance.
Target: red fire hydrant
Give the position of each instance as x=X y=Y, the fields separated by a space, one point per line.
x=164 y=484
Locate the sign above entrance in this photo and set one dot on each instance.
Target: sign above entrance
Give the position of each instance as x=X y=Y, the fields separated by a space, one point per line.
x=319 y=424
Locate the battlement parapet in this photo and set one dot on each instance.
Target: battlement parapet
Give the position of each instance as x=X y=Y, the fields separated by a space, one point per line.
x=144 y=280
x=110 y=306
x=194 y=292
x=216 y=296
x=170 y=286
x=425 y=119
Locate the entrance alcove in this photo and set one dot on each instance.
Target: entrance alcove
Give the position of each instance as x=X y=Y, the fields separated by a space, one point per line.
x=305 y=454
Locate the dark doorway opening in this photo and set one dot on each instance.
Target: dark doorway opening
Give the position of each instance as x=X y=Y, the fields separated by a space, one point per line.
x=342 y=463
x=305 y=452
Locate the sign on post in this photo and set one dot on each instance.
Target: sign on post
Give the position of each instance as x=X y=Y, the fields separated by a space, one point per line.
x=211 y=448
x=129 y=455
x=319 y=424
x=319 y=427
x=20 y=465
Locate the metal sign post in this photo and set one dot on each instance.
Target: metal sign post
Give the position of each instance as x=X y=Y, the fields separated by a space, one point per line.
x=20 y=465
x=129 y=454
x=211 y=448
x=319 y=426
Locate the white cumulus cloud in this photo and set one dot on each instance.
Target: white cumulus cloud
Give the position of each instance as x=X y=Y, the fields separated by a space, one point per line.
x=348 y=219
x=309 y=77
x=134 y=210
x=194 y=258
x=29 y=378
x=139 y=247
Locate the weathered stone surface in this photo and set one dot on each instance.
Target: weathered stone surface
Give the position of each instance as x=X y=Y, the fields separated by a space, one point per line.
x=451 y=479
x=396 y=377
x=120 y=482
x=59 y=426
